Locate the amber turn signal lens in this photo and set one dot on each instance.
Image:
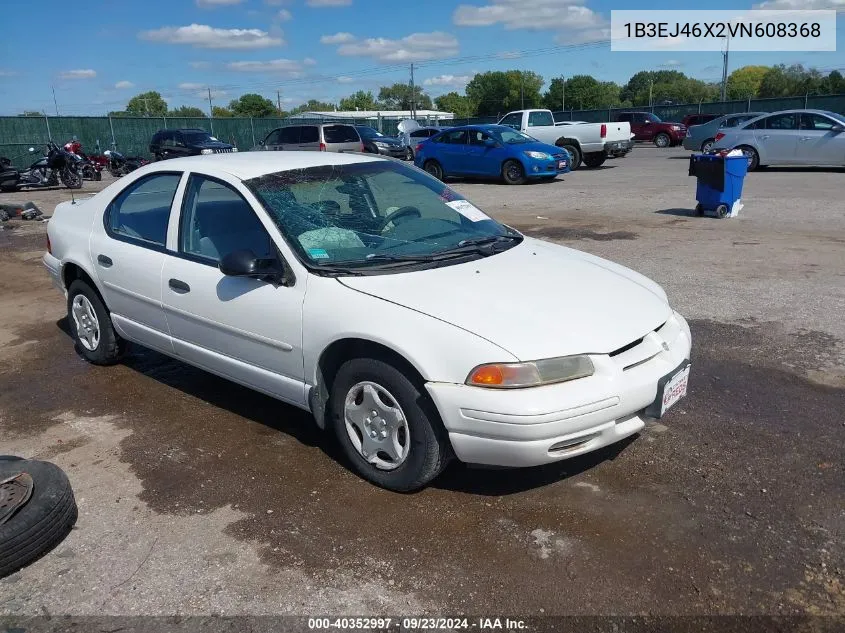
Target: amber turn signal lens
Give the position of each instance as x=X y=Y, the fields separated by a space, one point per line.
x=488 y=375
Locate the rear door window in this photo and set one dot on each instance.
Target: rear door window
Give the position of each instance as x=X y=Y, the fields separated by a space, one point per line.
x=141 y=212
x=458 y=137
x=309 y=134
x=782 y=122
x=538 y=119
x=340 y=134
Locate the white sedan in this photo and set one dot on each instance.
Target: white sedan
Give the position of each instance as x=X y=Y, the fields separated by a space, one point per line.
x=363 y=290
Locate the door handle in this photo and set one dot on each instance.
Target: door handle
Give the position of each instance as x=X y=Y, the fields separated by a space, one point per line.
x=806 y=138
x=104 y=261
x=179 y=287
x=765 y=136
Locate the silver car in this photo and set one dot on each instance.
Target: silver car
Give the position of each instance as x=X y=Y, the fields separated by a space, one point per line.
x=790 y=137
x=700 y=137
x=318 y=137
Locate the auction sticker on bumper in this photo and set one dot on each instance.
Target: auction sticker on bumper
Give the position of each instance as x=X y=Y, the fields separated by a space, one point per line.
x=561 y=164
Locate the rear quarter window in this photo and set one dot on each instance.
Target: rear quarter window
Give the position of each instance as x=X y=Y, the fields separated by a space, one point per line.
x=341 y=134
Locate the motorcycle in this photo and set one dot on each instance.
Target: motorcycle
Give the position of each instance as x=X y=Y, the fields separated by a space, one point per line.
x=47 y=171
x=120 y=165
x=90 y=169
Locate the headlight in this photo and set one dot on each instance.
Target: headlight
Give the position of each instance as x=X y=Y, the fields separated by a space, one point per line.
x=207 y=151
x=532 y=374
x=234 y=149
x=380 y=144
x=538 y=155
x=676 y=127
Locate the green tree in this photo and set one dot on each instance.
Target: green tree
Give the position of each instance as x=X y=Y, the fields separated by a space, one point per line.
x=582 y=92
x=147 y=104
x=744 y=83
x=398 y=97
x=313 y=105
x=187 y=111
x=253 y=105
x=497 y=92
x=834 y=83
x=360 y=100
x=775 y=83
x=462 y=107
x=219 y=112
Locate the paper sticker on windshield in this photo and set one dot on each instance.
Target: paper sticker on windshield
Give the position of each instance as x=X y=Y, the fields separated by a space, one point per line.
x=468 y=210
x=317 y=253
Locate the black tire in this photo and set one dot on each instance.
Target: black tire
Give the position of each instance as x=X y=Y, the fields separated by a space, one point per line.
x=699 y=210
x=662 y=140
x=10 y=188
x=513 y=173
x=434 y=168
x=43 y=521
x=110 y=346
x=595 y=159
x=98 y=175
x=574 y=155
x=71 y=178
x=429 y=448
x=722 y=210
x=752 y=156
x=707 y=145
x=114 y=172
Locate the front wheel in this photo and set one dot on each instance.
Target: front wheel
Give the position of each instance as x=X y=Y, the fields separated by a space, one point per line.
x=662 y=140
x=91 y=325
x=707 y=145
x=71 y=178
x=574 y=156
x=434 y=168
x=387 y=425
x=595 y=159
x=513 y=173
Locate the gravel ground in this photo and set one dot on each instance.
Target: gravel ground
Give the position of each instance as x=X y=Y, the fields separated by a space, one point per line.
x=199 y=497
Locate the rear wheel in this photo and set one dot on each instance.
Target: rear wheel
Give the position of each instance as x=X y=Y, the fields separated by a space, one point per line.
x=662 y=140
x=434 y=168
x=387 y=425
x=574 y=155
x=513 y=173
x=596 y=159
x=90 y=323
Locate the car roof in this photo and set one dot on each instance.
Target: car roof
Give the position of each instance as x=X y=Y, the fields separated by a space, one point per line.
x=246 y=165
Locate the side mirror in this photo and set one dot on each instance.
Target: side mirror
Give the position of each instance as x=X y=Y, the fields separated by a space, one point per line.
x=838 y=129
x=489 y=142
x=244 y=263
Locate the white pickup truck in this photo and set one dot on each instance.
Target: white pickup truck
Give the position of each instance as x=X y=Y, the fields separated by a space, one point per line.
x=591 y=143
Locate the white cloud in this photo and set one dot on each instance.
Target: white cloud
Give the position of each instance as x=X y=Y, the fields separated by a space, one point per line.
x=337 y=38
x=275 y=3
x=449 y=81
x=328 y=3
x=199 y=64
x=190 y=86
x=287 y=67
x=121 y=85
x=7 y=73
x=210 y=4
x=672 y=63
x=78 y=74
x=509 y=55
x=309 y=61
x=805 y=5
x=284 y=15
x=204 y=36
x=586 y=36
x=345 y=80
x=536 y=15
x=413 y=48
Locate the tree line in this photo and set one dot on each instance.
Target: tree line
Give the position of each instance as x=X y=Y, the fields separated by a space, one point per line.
x=496 y=92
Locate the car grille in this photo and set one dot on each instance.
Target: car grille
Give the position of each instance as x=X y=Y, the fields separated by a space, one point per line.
x=223 y=150
x=646 y=348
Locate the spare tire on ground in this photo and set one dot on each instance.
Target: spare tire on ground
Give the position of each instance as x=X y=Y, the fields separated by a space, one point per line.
x=37 y=511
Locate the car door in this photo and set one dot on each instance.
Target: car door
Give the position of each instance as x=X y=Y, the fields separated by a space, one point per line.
x=309 y=138
x=777 y=138
x=341 y=138
x=245 y=329
x=452 y=152
x=127 y=248
x=289 y=138
x=481 y=158
x=273 y=141
x=819 y=142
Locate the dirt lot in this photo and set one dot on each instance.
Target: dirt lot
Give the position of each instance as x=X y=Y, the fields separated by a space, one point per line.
x=200 y=497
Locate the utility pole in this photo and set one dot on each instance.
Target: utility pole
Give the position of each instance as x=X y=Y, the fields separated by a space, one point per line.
x=279 y=102
x=650 y=87
x=725 y=68
x=210 y=111
x=522 y=88
x=55 y=103
x=146 y=108
x=563 y=94
x=413 y=95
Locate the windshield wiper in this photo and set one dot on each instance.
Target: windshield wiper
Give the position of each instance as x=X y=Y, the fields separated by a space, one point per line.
x=482 y=241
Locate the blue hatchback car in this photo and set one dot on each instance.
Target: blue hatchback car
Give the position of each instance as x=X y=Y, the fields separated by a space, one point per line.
x=490 y=151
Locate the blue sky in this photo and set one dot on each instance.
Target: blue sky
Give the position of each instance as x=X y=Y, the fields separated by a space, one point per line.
x=98 y=54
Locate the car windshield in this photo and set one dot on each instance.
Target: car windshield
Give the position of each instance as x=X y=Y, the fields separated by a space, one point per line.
x=368 y=132
x=375 y=216
x=512 y=137
x=194 y=138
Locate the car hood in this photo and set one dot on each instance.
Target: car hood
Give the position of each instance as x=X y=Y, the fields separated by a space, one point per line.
x=536 y=300
x=535 y=147
x=386 y=139
x=212 y=145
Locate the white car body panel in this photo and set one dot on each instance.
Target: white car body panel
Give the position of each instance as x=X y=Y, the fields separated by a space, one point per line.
x=588 y=135
x=536 y=300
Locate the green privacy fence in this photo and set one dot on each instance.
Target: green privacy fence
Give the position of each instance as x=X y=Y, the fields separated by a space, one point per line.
x=834 y=103
x=131 y=135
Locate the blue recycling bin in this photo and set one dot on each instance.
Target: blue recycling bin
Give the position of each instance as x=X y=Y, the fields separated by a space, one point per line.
x=719 y=181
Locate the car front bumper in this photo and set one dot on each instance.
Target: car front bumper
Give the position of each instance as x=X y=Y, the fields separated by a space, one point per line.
x=393 y=152
x=540 y=425
x=547 y=168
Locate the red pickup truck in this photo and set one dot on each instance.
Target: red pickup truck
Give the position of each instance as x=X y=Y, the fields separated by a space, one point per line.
x=648 y=127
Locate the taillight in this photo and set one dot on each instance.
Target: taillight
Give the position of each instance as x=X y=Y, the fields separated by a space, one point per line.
x=322 y=147
x=603 y=130
x=419 y=147
x=49 y=246
x=719 y=136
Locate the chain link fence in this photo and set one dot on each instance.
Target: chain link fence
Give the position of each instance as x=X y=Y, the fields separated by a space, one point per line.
x=131 y=135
